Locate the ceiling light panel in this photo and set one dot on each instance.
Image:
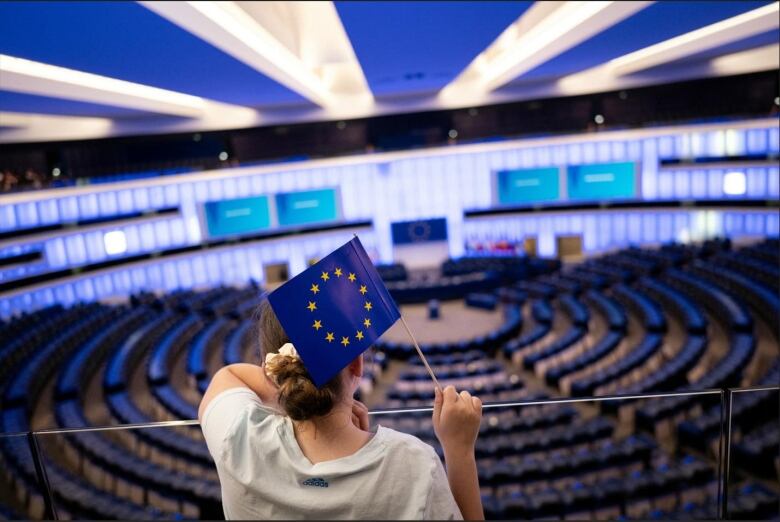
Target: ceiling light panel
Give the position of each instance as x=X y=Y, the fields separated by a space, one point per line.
x=303 y=46
x=730 y=30
x=543 y=32
x=27 y=76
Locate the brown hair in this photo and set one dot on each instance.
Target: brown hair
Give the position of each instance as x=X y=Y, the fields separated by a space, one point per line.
x=298 y=396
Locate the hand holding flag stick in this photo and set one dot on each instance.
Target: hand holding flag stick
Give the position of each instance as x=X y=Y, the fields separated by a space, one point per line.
x=334 y=310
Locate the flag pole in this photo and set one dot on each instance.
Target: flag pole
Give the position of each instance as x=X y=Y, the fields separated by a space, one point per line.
x=419 y=352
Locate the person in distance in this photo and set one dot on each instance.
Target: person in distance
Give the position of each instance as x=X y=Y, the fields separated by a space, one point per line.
x=287 y=450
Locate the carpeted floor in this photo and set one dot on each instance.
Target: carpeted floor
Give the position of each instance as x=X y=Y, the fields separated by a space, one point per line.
x=456 y=322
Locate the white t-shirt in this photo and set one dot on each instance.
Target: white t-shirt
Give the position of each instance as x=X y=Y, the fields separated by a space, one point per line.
x=265 y=475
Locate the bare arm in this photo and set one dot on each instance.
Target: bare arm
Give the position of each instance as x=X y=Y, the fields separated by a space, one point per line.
x=464 y=483
x=456 y=418
x=240 y=375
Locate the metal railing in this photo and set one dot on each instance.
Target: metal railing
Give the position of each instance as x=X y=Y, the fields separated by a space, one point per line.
x=723 y=465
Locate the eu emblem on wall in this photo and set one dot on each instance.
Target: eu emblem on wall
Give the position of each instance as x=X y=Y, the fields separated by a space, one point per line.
x=335 y=310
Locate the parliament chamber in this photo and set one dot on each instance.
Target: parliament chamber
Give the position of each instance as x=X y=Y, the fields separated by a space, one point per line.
x=593 y=253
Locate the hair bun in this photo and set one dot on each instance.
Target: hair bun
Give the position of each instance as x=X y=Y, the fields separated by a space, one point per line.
x=298 y=395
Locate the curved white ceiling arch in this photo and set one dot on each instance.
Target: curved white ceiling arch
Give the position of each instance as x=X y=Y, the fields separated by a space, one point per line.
x=304 y=46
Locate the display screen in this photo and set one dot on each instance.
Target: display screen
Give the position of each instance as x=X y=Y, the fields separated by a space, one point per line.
x=420 y=231
x=602 y=181
x=527 y=185
x=236 y=216
x=311 y=206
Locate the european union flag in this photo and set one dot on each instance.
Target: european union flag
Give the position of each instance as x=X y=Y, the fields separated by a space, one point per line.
x=334 y=310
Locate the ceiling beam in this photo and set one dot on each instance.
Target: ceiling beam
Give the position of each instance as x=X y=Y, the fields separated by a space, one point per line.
x=301 y=45
x=215 y=116
x=28 y=128
x=602 y=78
x=20 y=127
x=724 y=32
x=544 y=31
x=29 y=77
x=764 y=58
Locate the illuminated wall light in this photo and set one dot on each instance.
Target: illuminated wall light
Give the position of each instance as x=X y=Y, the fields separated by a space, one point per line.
x=699 y=226
x=714 y=224
x=716 y=143
x=734 y=183
x=777 y=100
x=223 y=156
x=193 y=229
x=452 y=134
x=734 y=142
x=706 y=225
x=599 y=119
x=115 y=242
x=56 y=171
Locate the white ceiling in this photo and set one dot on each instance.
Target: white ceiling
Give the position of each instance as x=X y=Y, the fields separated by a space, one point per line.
x=76 y=70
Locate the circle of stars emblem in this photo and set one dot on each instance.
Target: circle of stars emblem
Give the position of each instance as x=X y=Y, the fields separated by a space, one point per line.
x=330 y=336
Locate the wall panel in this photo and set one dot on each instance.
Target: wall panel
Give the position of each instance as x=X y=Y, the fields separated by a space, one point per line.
x=392 y=187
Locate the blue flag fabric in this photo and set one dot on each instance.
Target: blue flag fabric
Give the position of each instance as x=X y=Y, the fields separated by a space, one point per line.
x=334 y=310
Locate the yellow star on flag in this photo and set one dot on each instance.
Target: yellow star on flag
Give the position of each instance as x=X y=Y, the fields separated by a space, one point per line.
x=345 y=341
x=315 y=288
x=329 y=337
x=337 y=272
x=367 y=306
x=312 y=306
x=363 y=289
x=359 y=335
x=317 y=324
x=325 y=276
x=367 y=322
x=351 y=277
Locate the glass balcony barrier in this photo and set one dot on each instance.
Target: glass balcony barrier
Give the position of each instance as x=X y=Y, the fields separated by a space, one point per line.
x=589 y=458
x=21 y=493
x=616 y=457
x=752 y=457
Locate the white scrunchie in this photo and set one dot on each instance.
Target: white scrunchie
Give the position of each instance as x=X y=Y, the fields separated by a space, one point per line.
x=287 y=349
